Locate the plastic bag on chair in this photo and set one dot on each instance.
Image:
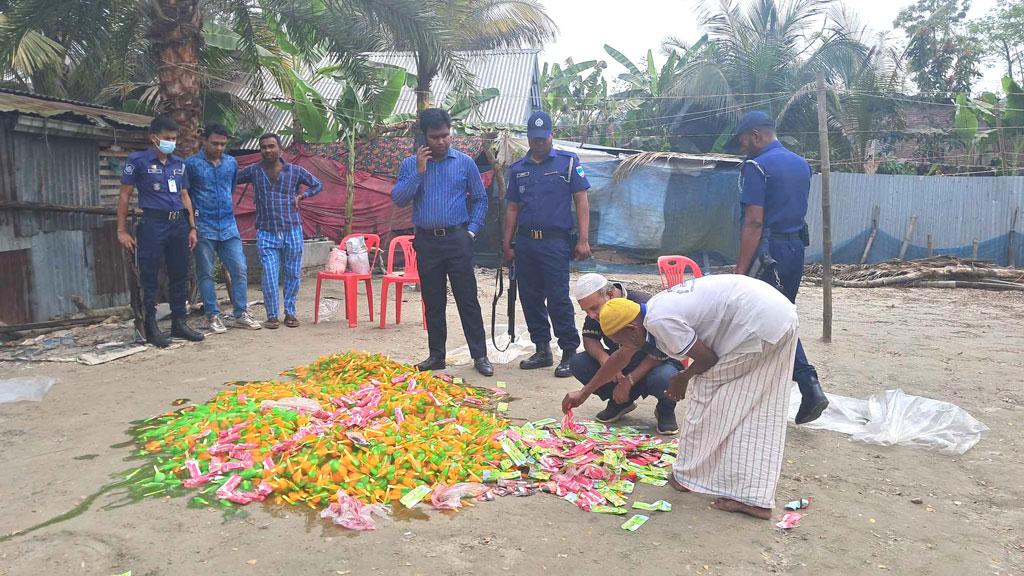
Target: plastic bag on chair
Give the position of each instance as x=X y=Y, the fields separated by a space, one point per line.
x=358 y=255
x=337 y=261
x=896 y=418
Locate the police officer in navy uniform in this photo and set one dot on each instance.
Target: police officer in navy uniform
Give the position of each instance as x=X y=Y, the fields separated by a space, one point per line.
x=775 y=184
x=543 y=186
x=167 y=231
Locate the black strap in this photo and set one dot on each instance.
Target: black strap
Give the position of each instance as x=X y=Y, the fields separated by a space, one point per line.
x=499 y=291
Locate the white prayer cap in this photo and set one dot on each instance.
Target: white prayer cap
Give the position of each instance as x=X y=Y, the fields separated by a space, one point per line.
x=589 y=284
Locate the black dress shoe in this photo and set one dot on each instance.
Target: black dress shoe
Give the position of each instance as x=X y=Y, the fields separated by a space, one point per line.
x=812 y=400
x=483 y=366
x=563 y=369
x=540 y=359
x=432 y=363
x=154 y=336
x=181 y=329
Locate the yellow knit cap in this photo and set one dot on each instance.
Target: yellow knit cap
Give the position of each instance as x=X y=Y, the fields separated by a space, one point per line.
x=617 y=313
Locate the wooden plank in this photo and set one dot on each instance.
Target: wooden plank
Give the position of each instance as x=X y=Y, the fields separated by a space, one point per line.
x=15 y=286
x=1011 y=250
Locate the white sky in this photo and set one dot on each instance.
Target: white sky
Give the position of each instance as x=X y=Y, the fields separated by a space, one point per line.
x=634 y=26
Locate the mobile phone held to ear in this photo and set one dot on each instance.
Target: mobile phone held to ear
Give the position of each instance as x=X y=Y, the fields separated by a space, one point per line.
x=419 y=141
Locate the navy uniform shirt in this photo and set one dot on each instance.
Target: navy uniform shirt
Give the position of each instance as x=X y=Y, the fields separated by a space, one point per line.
x=780 y=181
x=544 y=190
x=159 y=185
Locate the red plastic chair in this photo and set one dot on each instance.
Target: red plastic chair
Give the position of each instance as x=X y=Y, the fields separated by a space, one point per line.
x=410 y=275
x=673 y=270
x=351 y=280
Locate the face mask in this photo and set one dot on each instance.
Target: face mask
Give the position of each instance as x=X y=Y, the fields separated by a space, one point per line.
x=166 y=146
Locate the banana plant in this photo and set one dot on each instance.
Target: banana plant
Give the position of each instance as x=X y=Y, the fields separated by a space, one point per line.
x=1004 y=125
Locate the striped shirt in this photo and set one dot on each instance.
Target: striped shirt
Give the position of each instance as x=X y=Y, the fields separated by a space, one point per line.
x=275 y=202
x=439 y=195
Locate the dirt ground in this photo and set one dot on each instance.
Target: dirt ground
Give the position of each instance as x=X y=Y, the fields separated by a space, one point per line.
x=961 y=346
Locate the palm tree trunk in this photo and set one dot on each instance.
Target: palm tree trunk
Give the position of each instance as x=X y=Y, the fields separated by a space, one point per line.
x=424 y=76
x=176 y=30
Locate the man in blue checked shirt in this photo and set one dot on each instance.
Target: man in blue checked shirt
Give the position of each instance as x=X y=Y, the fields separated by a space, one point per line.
x=211 y=174
x=438 y=180
x=277 y=186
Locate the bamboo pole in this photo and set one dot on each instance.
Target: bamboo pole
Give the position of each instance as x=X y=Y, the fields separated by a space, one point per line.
x=1011 y=250
x=930 y=247
x=875 y=214
x=906 y=237
x=974 y=250
x=826 y=215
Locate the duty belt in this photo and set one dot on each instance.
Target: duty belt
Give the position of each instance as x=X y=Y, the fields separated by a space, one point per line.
x=162 y=214
x=541 y=234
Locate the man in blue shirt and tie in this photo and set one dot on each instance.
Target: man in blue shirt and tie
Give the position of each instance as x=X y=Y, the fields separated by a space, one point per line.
x=437 y=181
x=167 y=231
x=775 y=184
x=543 y=187
x=211 y=175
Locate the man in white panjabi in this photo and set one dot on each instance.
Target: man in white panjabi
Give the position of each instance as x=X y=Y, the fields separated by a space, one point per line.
x=741 y=335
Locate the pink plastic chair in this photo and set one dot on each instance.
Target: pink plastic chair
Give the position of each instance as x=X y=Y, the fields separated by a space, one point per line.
x=351 y=280
x=673 y=270
x=410 y=275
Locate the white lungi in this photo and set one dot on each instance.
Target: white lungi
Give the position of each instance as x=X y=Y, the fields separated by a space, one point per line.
x=734 y=429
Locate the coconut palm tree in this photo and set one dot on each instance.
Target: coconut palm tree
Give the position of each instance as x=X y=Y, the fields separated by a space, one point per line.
x=134 y=45
x=475 y=25
x=759 y=58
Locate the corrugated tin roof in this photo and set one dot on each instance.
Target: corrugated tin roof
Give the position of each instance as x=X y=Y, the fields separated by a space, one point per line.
x=514 y=72
x=47 y=107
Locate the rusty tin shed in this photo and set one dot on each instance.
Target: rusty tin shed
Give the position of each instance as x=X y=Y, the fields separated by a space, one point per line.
x=60 y=162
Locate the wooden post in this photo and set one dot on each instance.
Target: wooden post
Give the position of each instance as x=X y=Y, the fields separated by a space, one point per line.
x=906 y=237
x=1011 y=250
x=974 y=250
x=930 y=251
x=826 y=215
x=875 y=215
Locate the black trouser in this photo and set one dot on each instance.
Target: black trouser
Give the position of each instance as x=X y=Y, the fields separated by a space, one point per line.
x=162 y=241
x=440 y=259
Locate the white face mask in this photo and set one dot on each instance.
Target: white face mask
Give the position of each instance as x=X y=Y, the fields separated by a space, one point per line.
x=166 y=146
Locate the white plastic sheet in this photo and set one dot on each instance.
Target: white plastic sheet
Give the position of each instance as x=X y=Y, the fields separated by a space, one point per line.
x=31 y=389
x=461 y=356
x=896 y=418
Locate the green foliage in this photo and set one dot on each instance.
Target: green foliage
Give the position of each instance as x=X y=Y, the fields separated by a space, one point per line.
x=943 y=56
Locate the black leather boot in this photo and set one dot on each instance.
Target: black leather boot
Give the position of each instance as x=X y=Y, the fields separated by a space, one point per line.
x=181 y=329
x=812 y=400
x=540 y=359
x=153 y=334
x=563 y=370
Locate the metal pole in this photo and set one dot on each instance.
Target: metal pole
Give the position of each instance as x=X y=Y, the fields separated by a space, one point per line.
x=826 y=215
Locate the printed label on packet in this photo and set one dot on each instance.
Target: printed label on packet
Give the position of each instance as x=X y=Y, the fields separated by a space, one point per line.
x=652 y=481
x=667 y=459
x=612 y=497
x=544 y=422
x=659 y=506
x=623 y=486
x=500 y=384
x=635 y=522
x=457 y=380
x=513 y=452
x=502 y=406
x=608 y=510
x=414 y=496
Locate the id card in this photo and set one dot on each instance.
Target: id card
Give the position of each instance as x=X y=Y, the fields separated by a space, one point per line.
x=172 y=185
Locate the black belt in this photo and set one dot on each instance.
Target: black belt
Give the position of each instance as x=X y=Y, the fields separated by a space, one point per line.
x=440 y=232
x=162 y=214
x=542 y=233
x=783 y=237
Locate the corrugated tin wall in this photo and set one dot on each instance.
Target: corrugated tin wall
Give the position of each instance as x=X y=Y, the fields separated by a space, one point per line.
x=956 y=211
x=60 y=255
